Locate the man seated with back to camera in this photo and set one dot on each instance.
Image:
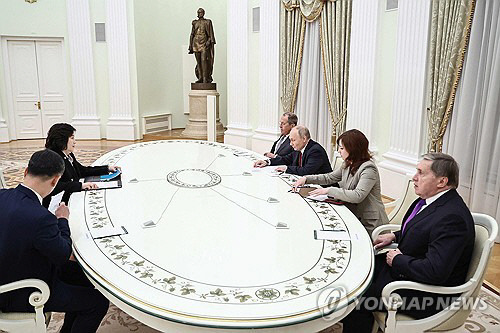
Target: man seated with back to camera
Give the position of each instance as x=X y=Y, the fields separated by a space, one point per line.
x=307 y=158
x=435 y=246
x=36 y=244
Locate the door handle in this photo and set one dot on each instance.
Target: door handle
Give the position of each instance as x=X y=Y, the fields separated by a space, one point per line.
x=38 y=105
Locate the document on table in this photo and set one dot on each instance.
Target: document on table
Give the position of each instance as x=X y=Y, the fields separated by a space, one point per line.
x=116 y=182
x=108 y=184
x=331 y=235
x=321 y=197
x=108 y=232
x=269 y=170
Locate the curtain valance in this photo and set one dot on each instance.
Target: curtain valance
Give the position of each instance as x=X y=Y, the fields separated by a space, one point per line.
x=310 y=9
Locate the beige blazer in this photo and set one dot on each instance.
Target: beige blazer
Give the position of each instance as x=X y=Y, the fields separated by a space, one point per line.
x=360 y=191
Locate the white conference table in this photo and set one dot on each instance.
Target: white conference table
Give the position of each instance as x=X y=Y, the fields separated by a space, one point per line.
x=212 y=244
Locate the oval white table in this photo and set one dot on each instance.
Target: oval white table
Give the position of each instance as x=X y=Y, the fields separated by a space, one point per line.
x=212 y=244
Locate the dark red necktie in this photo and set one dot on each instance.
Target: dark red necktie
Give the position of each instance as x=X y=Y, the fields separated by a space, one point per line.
x=300 y=158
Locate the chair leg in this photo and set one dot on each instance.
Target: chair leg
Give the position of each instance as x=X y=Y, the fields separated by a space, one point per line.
x=48 y=316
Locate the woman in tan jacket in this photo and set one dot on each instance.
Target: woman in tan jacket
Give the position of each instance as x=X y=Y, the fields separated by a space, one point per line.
x=358 y=180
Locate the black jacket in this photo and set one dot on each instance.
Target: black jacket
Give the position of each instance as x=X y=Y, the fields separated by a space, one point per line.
x=314 y=160
x=33 y=242
x=69 y=181
x=283 y=149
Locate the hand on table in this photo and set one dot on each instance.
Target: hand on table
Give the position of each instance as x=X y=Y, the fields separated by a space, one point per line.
x=300 y=182
x=260 y=164
x=270 y=155
x=319 y=191
x=89 y=186
x=114 y=168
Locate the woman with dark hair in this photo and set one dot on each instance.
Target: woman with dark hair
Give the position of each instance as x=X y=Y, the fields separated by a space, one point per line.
x=358 y=180
x=61 y=139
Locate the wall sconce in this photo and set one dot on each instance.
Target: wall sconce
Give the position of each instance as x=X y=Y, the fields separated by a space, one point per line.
x=30 y=1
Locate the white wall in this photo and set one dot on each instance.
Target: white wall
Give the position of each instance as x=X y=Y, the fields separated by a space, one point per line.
x=162 y=30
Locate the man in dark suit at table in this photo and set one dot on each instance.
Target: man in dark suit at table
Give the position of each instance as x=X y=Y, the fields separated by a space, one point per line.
x=435 y=245
x=307 y=158
x=36 y=244
x=281 y=147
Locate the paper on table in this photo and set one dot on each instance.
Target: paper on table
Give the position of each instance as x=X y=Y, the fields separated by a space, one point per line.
x=331 y=235
x=108 y=232
x=321 y=197
x=108 y=184
x=270 y=170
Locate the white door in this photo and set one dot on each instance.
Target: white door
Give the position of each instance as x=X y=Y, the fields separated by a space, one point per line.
x=25 y=91
x=38 y=86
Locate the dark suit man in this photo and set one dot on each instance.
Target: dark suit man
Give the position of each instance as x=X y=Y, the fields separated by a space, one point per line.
x=281 y=147
x=308 y=157
x=36 y=244
x=435 y=244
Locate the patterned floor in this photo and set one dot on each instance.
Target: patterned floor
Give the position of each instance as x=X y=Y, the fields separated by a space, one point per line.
x=13 y=160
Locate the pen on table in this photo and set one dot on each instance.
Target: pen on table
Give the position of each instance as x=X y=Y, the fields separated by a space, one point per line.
x=291 y=190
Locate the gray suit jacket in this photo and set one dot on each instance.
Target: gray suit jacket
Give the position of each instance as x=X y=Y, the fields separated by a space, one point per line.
x=360 y=191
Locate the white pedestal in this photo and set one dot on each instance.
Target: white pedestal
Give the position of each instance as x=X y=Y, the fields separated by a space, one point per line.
x=197 y=121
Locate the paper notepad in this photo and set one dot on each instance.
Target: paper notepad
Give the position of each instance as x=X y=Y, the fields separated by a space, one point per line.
x=331 y=235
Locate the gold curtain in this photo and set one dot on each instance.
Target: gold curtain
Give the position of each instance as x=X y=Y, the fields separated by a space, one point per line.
x=293 y=26
x=450 y=31
x=310 y=9
x=335 y=37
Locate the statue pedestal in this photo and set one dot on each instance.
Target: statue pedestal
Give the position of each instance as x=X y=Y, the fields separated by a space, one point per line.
x=197 y=120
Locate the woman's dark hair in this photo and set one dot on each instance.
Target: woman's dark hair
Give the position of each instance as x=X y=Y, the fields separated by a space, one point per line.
x=58 y=135
x=356 y=144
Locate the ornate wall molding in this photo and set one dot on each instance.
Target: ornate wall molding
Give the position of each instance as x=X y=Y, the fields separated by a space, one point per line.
x=121 y=123
x=267 y=130
x=85 y=118
x=407 y=127
x=361 y=101
x=239 y=131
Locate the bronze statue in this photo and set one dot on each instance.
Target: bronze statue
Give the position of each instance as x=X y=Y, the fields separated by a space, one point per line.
x=201 y=43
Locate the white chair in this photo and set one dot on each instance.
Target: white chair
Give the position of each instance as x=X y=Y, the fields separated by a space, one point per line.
x=401 y=204
x=2 y=180
x=336 y=160
x=455 y=315
x=26 y=322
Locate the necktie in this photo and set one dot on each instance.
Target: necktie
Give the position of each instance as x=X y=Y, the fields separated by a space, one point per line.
x=300 y=158
x=416 y=209
x=278 y=144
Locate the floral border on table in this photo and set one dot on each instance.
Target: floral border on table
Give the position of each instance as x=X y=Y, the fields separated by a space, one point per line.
x=333 y=262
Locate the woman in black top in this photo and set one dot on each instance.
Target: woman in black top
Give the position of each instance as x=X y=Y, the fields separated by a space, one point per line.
x=61 y=139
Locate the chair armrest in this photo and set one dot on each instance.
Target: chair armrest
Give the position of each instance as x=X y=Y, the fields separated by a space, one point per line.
x=389 y=289
x=393 y=203
x=36 y=299
x=384 y=249
x=385 y=227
